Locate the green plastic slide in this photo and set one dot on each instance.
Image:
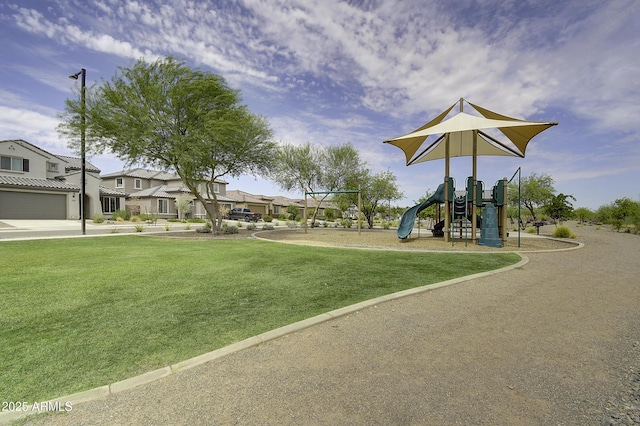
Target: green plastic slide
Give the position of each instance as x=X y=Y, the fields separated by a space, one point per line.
x=409 y=216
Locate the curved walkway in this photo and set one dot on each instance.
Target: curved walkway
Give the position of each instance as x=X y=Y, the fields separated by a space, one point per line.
x=550 y=342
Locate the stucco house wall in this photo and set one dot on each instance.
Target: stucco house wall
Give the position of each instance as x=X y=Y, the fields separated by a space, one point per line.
x=36 y=184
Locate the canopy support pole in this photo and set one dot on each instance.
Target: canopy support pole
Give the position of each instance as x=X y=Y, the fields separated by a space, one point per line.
x=447 y=196
x=474 y=222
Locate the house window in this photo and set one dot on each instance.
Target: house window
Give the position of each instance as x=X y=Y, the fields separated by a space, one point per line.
x=163 y=206
x=110 y=204
x=14 y=163
x=276 y=209
x=119 y=183
x=52 y=167
x=137 y=184
x=216 y=188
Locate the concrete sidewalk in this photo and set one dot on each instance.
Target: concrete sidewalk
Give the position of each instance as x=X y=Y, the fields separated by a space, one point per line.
x=551 y=342
x=11 y=229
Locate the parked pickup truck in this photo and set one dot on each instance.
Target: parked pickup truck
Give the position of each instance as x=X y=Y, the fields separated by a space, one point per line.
x=243 y=214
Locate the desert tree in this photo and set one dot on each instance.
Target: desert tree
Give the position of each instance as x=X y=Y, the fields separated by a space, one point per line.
x=165 y=114
x=559 y=207
x=313 y=169
x=375 y=190
x=535 y=191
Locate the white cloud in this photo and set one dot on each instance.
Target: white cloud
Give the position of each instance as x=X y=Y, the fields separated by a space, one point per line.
x=32 y=126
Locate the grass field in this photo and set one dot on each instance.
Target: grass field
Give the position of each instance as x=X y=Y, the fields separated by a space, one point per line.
x=81 y=313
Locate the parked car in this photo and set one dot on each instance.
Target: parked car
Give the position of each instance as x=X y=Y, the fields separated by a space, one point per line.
x=243 y=214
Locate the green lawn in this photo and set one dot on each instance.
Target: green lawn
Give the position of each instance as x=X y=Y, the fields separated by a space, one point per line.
x=81 y=313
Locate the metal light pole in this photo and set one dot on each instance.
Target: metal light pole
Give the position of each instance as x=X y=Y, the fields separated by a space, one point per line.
x=83 y=106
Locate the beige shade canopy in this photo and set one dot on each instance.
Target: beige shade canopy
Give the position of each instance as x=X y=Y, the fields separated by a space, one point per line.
x=460 y=130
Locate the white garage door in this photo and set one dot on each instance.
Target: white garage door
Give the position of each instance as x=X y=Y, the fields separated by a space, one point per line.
x=25 y=205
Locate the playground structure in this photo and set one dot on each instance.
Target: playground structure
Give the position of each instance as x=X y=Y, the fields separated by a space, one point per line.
x=463 y=209
x=466 y=135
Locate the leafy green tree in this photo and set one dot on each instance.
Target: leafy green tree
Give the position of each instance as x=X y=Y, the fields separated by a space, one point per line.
x=375 y=189
x=604 y=213
x=310 y=168
x=559 y=207
x=397 y=211
x=165 y=114
x=536 y=191
x=429 y=212
x=293 y=211
x=624 y=211
x=583 y=214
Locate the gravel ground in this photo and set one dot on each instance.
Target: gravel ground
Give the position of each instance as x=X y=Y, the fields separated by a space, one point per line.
x=556 y=341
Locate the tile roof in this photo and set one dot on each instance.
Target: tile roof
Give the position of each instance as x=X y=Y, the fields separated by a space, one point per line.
x=113 y=192
x=285 y=201
x=159 y=191
x=148 y=174
x=245 y=197
x=170 y=191
x=75 y=163
x=28 y=182
x=144 y=174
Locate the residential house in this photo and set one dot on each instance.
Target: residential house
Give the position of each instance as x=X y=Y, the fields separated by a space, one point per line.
x=312 y=203
x=155 y=192
x=280 y=205
x=276 y=205
x=256 y=203
x=36 y=184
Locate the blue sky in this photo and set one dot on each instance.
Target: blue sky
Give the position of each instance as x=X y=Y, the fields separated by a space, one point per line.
x=330 y=72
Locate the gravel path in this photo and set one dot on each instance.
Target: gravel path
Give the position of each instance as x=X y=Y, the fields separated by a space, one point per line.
x=554 y=342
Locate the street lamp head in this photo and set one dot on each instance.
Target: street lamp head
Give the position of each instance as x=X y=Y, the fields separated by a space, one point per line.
x=75 y=76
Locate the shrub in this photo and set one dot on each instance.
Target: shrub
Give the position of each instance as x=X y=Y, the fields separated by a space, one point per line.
x=386 y=225
x=251 y=226
x=347 y=223
x=563 y=232
x=139 y=228
x=187 y=227
x=167 y=226
x=291 y=224
x=267 y=227
x=267 y=218
x=148 y=216
x=98 y=218
x=532 y=231
x=203 y=230
x=230 y=229
x=134 y=218
x=174 y=220
x=124 y=214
